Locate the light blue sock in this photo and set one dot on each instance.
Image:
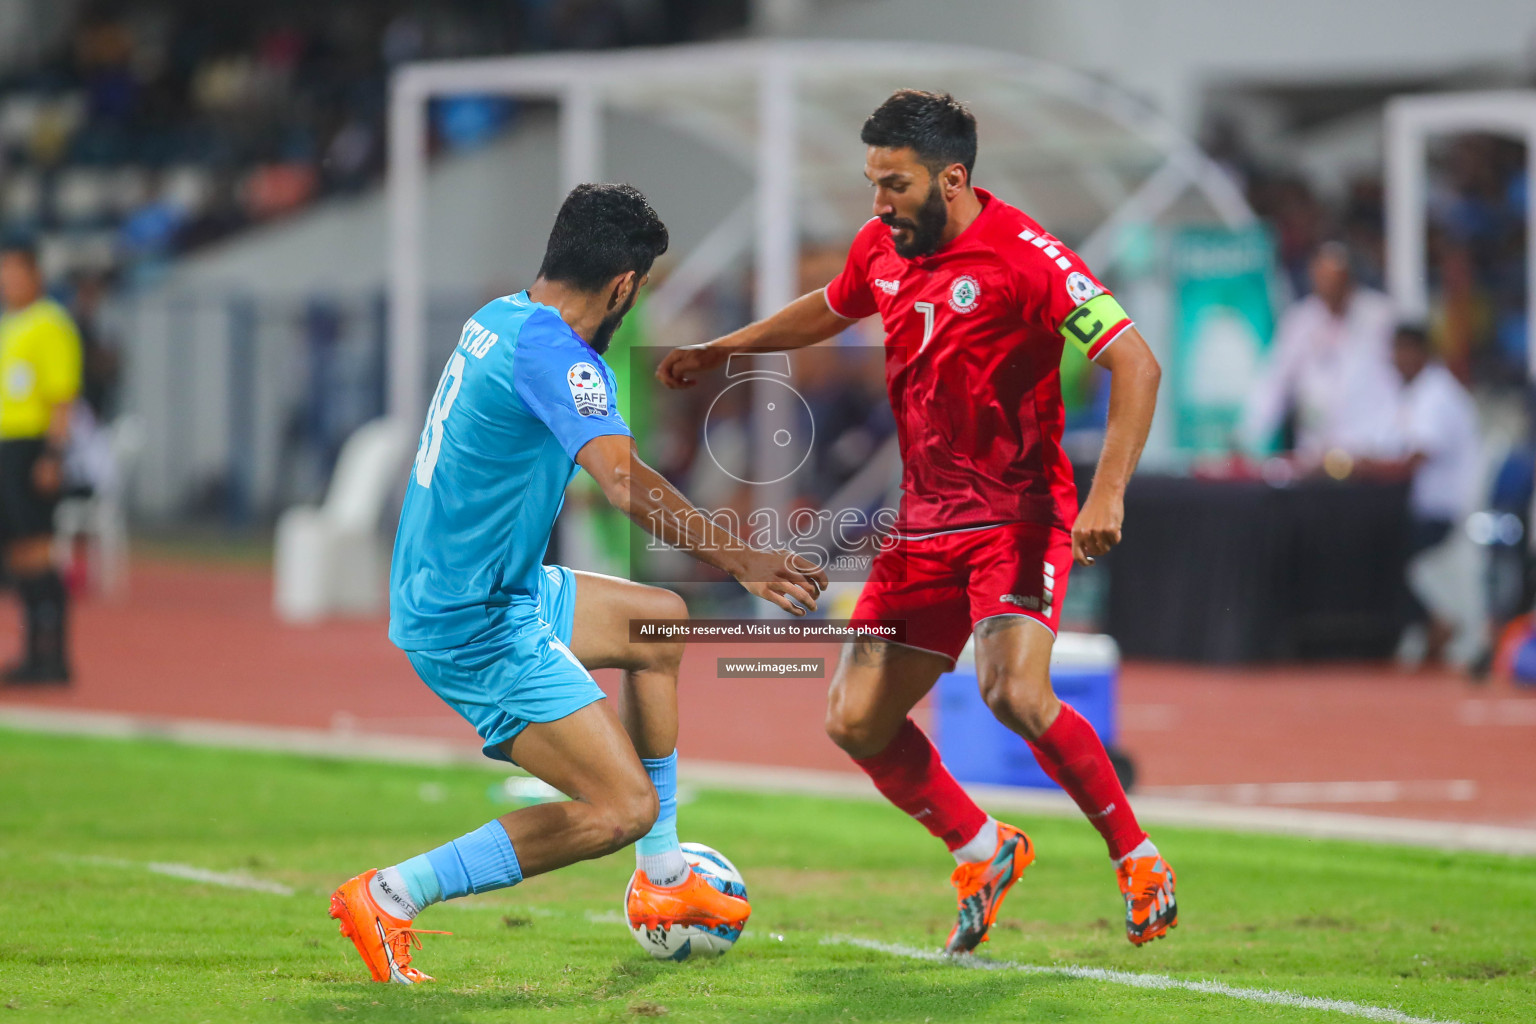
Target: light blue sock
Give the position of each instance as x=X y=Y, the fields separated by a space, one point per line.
x=658 y=852
x=663 y=835
x=478 y=862
x=420 y=881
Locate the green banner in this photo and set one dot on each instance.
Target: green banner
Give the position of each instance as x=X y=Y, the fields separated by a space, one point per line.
x=1222 y=323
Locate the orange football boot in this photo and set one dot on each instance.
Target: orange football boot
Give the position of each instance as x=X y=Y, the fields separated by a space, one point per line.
x=981 y=886
x=695 y=902
x=383 y=940
x=1150 y=909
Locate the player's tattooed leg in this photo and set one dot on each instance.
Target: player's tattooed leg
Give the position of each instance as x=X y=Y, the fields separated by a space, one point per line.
x=869 y=652
x=995 y=624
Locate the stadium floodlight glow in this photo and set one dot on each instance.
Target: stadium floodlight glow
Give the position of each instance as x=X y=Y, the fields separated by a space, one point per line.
x=1411 y=122
x=1077 y=150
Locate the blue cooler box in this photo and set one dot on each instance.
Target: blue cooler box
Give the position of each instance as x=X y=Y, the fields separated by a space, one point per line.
x=978 y=748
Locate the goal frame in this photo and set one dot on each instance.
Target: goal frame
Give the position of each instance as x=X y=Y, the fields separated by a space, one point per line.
x=577 y=84
x=1412 y=122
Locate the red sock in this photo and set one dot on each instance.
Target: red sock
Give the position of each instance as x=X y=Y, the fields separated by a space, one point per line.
x=1071 y=753
x=910 y=775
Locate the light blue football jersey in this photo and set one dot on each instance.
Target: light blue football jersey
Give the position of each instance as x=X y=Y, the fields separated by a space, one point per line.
x=520 y=396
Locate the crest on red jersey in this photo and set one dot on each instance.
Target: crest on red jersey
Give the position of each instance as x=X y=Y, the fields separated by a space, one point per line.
x=964 y=294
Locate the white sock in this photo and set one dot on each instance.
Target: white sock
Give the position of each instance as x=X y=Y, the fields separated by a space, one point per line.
x=1146 y=848
x=979 y=847
x=667 y=869
x=389 y=891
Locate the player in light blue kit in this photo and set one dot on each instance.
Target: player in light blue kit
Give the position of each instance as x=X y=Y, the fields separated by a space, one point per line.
x=506 y=641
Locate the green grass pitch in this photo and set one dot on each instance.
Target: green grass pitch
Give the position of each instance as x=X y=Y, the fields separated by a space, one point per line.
x=91 y=933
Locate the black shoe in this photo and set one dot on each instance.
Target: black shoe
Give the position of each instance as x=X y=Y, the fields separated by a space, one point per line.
x=32 y=674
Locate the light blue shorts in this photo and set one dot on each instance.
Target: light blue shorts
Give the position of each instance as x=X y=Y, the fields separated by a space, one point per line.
x=520 y=673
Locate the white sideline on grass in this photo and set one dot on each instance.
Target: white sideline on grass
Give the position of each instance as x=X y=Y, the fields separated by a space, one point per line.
x=1135 y=980
x=228 y=879
x=418 y=750
x=236 y=880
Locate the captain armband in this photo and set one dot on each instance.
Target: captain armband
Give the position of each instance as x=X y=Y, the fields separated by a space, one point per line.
x=1094 y=324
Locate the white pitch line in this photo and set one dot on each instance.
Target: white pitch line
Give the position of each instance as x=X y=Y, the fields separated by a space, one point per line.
x=605 y=917
x=230 y=880
x=1517 y=712
x=187 y=872
x=1347 y=792
x=235 y=880
x=1152 y=981
x=415 y=750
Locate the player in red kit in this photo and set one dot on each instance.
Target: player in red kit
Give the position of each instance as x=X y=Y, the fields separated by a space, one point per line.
x=977 y=301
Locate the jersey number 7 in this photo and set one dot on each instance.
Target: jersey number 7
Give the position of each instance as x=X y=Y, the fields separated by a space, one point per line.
x=432 y=434
x=925 y=308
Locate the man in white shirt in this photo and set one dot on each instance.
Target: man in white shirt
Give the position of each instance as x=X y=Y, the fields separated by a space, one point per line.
x=1437 y=421
x=1440 y=451
x=1330 y=365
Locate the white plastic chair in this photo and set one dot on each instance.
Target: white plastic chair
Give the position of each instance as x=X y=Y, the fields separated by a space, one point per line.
x=101 y=518
x=331 y=560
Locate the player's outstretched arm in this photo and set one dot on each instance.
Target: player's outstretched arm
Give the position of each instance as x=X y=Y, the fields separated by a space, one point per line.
x=803 y=322
x=634 y=488
x=1133 y=379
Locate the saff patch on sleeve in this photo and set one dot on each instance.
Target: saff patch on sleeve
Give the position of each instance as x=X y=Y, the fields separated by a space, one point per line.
x=1082 y=288
x=589 y=391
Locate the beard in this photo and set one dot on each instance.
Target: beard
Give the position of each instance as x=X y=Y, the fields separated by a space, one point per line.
x=603 y=336
x=927 y=230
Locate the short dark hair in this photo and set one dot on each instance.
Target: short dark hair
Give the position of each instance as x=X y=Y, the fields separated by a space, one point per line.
x=22 y=247
x=602 y=231
x=937 y=127
x=1334 y=249
x=1415 y=334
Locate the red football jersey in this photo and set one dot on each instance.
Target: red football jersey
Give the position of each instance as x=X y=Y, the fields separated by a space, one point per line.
x=973 y=343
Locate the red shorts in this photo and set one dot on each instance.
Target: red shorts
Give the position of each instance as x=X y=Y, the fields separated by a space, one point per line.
x=941 y=586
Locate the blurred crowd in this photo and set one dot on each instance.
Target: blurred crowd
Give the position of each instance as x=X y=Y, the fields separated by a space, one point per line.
x=841 y=383
x=159 y=126
x=162 y=125
x=1477 y=243
x=1352 y=391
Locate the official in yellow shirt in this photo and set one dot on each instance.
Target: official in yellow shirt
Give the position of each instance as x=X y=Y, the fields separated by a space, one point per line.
x=40 y=357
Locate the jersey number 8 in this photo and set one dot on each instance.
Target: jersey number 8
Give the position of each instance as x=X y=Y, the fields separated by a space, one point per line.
x=442 y=403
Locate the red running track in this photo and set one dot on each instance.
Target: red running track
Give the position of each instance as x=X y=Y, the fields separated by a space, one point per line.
x=198 y=640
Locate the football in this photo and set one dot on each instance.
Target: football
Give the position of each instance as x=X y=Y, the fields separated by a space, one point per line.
x=683 y=942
